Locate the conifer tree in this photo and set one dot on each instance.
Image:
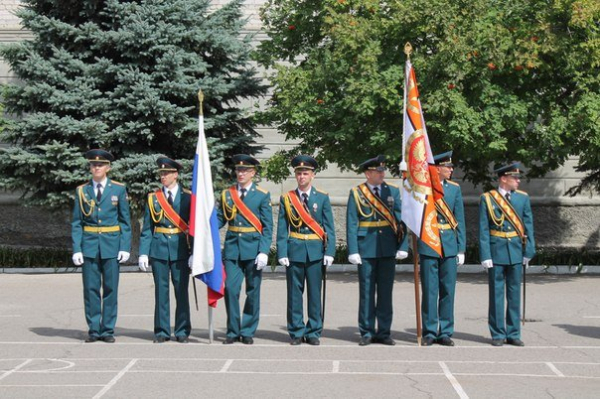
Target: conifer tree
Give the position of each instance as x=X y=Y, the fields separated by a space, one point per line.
x=123 y=76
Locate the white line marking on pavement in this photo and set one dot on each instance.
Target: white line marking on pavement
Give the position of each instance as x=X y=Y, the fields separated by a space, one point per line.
x=336 y=366
x=554 y=369
x=455 y=384
x=20 y=366
x=112 y=382
x=226 y=366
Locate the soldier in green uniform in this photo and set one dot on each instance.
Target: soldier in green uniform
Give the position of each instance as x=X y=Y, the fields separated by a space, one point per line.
x=246 y=208
x=165 y=241
x=305 y=244
x=506 y=244
x=101 y=233
x=438 y=274
x=376 y=237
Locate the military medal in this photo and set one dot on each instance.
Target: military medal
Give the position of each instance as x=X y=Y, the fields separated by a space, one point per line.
x=315 y=206
x=114 y=199
x=390 y=201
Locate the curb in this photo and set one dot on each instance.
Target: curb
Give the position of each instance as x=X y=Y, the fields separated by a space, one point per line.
x=338 y=268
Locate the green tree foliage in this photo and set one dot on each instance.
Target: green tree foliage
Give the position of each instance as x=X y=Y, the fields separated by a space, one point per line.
x=123 y=76
x=498 y=80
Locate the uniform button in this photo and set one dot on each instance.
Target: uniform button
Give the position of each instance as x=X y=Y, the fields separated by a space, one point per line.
x=99 y=221
x=169 y=237
x=240 y=223
x=380 y=231
x=240 y=234
x=99 y=209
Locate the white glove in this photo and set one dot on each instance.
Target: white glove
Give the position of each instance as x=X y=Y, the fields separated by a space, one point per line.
x=191 y=262
x=284 y=262
x=123 y=256
x=78 y=258
x=526 y=262
x=487 y=264
x=401 y=255
x=460 y=259
x=143 y=263
x=355 y=259
x=261 y=261
x=328 y=260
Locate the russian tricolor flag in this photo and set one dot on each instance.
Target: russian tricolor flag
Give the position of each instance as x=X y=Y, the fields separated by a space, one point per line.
x=204 y=227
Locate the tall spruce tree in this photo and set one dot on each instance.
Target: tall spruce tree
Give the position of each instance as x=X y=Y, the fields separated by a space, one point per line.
x=123 y=76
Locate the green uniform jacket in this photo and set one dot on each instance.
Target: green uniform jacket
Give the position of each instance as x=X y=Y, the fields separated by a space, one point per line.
x=113 y=210
x=505 y=251
x=453 y=241
x=375 y=242
x=245 y=246
x=162 y=246
x=297 y=250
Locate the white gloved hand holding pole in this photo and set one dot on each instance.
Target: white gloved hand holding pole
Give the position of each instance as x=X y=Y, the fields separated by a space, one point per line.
x=526 y=262
x=355 y=259
x=261 y=261
x=78 y=258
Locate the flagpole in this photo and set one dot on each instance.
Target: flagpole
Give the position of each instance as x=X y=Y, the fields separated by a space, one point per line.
x=210 y=309
x=403 y=169
x=417 y=287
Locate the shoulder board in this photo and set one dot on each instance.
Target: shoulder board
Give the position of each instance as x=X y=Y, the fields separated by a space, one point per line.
x=262 y=190
x=452 y=182
x=151 y=194
x=321 y=191
x=521 y=192
x=82 y=185
x=392 y=185
x=118 y=183
x=185 y=190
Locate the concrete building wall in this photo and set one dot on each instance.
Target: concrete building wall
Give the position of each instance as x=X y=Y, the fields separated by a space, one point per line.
x=559 y=220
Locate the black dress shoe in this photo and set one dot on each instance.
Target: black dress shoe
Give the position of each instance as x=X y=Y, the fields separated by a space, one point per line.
x=230 y=340
x=515 y=342
x=91 y=339
x=427 y=341
x=247 y=340
x=109 y=339
x=364 y=341
x=183 y=340
x=386 y=341
x=497 y=342
x=445 y=341
x=296 y=341
x=313 y=341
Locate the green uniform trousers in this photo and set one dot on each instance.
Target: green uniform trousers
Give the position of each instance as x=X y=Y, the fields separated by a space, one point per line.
x=438 y=280
x=237 y=272
x=296 y=275
x=100 y=312
x=376 y=282
x=179 y=272
x=503 y=278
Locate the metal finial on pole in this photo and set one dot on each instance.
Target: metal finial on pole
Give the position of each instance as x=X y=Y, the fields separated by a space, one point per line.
x=408 y=49
x=201 y=101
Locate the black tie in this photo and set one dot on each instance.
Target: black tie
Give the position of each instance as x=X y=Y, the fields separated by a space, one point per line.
x=169 y=197
x=243 y=190
x=305 y=199
x=507 y=195
x=99 y=192
x=376 y=189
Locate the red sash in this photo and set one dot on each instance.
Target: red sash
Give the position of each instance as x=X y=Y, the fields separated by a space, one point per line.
x=305 y=215
x=510 y=213
x=170 y=212
x=444 y=209
x=244 y=210
x=379 y=206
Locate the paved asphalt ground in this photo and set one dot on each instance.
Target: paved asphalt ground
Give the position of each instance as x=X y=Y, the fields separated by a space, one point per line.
x=42 y=353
